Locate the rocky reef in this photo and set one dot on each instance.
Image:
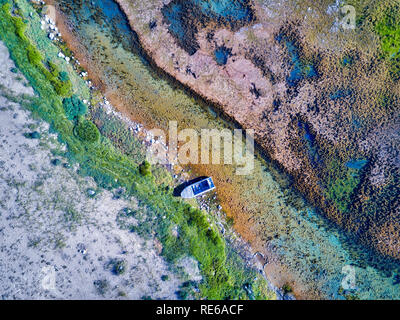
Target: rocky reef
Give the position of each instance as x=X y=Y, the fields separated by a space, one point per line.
x=323 y=100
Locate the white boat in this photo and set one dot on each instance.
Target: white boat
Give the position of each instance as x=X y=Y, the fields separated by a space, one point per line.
x=198 y=188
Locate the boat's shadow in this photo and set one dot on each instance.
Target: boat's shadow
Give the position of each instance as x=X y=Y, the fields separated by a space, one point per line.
x=178 y=190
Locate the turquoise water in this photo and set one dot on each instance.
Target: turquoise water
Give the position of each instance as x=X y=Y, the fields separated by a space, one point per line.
x=184 y=17
x=310 y=141
x=222 y=55
x=300 y=69
x=340 y=94
x=111 y=10
x=356 y=164
x=174 y=17
x=311 y=248
x=347 y=61
x=238 y=10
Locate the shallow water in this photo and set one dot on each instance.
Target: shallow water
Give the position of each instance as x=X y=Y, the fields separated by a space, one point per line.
x=237 y=10
x=356 y=164
x=267 y=212
x=229 y=13
x=300 y=70
x=222 y=55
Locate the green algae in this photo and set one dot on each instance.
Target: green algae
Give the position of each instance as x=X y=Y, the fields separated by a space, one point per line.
x=86 y=131
x=341 y=185
x=388 y=29
x=382 y=18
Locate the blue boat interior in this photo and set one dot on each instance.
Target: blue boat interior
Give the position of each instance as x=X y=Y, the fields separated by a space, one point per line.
x=203 y=186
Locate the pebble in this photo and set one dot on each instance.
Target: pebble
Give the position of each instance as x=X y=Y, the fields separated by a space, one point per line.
x=91 y=192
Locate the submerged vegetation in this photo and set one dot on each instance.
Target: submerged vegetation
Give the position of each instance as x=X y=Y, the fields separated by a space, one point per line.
x=145 y=169
x=185 y=16
x=385 y=21
x=347 y=145
x=223 y=271
x=341 y=185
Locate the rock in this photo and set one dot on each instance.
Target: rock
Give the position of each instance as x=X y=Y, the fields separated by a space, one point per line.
x=91 y=192
x=158 y=246
x=56 y=162
x=33 y=135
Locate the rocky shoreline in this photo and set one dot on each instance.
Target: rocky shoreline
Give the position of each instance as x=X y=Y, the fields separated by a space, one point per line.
x=291 y=93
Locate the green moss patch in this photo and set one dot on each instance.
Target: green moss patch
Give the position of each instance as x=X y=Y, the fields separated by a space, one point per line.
x=342 y=182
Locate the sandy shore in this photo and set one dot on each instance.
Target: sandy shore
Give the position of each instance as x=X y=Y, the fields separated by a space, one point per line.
x=58 y=240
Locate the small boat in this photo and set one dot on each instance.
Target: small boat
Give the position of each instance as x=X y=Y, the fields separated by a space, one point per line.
x=198 y=188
